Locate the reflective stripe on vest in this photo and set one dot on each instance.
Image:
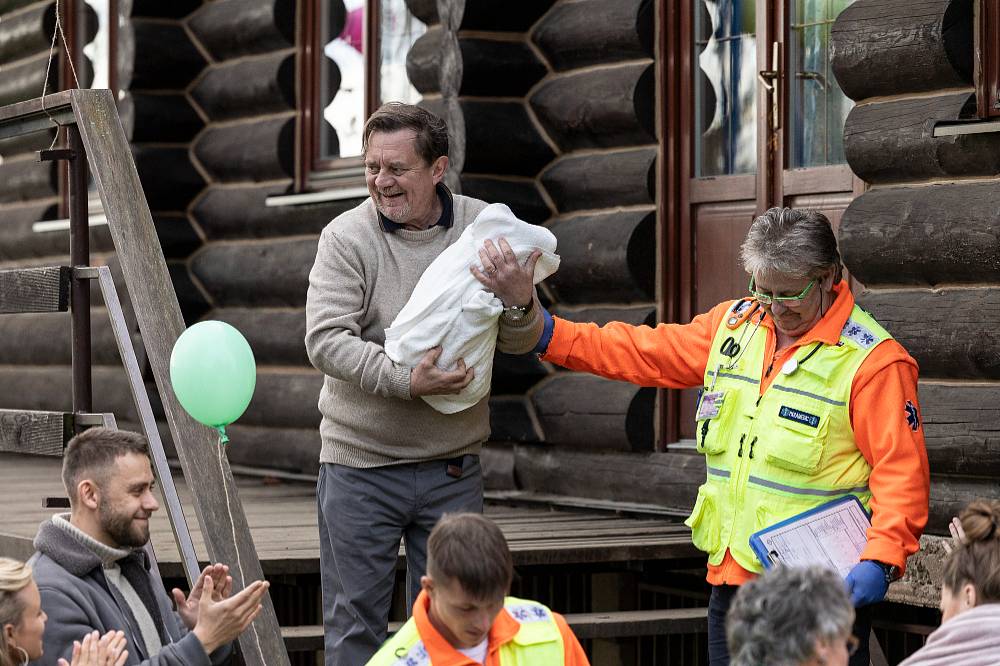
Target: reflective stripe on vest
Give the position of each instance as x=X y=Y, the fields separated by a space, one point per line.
x=771 y=456
x=538 y=641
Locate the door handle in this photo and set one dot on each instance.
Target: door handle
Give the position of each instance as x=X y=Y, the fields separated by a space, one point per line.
x=771 y=80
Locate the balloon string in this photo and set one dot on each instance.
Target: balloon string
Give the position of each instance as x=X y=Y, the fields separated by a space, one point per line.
x=232 y=521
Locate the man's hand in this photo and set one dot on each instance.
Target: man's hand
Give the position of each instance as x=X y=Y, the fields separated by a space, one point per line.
x=511 y=282
x=220 y=622
x=428 y=379
x=108 y=650
x=222 y=587
x=866 y=583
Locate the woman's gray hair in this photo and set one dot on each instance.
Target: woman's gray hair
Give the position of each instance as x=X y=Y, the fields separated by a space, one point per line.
x=777 y=618
x=790 y=241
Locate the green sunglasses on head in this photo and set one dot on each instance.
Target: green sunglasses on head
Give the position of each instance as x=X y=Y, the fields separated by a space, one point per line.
x=767 y=299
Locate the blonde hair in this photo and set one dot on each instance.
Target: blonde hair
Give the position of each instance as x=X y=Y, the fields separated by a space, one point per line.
x=14 y=577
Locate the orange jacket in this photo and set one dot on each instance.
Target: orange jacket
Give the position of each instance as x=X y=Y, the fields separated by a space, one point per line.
x=503 y=631
x=675 y=355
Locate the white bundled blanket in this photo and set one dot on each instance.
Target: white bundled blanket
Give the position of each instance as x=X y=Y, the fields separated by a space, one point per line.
x=450 y=308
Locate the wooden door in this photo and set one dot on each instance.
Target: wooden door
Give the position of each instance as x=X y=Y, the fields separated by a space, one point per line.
x=760 y=124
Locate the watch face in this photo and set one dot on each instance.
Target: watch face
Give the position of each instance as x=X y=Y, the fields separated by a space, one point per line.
x=514 y=314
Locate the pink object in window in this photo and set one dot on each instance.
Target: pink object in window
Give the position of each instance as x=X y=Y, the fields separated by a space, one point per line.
x=354 y=28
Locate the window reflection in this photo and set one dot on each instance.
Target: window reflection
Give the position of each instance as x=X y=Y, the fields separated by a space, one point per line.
x=343 y=69
x=725 y=92
x=98 y=50
x=818 y=108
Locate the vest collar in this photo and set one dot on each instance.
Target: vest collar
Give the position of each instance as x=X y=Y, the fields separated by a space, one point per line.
x=443 y=654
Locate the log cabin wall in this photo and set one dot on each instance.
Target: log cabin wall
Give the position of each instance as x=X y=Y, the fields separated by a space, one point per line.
x=925 y=238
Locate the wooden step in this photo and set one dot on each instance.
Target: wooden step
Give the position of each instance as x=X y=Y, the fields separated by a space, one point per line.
x=42 y=433
x=35 y=289
x=622 y=624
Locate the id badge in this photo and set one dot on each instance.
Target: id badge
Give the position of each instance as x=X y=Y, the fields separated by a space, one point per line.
x=710 y=405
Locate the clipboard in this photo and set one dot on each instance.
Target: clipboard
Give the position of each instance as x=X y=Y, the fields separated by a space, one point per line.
x=832 y=535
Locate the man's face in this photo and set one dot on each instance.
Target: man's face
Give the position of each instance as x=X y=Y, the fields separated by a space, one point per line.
x=793 y=318
x=463 y=620
x=401 y=183
x=127 y=501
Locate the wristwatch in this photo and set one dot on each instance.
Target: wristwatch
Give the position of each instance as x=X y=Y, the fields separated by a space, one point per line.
x=891 y=571
x=516 y=313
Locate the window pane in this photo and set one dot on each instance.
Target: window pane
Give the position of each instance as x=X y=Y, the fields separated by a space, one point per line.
x=399 y=29
x=342 y=78
x=98 y=51
x=817 y=106
x=725 y=87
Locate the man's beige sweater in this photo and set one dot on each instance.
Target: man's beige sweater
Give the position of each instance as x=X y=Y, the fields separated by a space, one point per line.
x=362 y=278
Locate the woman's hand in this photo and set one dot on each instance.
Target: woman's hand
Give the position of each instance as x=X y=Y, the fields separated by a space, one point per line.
x=95 y=650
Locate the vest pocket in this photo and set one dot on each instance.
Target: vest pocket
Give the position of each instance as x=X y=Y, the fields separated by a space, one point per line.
x=797 y=447
x=710 y=437
x=704 y=520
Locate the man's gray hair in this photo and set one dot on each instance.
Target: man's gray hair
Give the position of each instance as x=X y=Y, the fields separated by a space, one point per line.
x=794 y=242
x=777 y=618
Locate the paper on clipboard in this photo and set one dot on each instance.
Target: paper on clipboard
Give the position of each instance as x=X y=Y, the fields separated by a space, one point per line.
x=833 y=535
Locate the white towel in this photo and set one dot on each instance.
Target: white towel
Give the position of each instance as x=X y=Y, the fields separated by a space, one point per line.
x=450 y=308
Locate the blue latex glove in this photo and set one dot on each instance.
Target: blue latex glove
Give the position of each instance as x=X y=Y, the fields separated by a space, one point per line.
x=866 y=583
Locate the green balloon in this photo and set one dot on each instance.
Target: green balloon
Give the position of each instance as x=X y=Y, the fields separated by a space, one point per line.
x=213 y=373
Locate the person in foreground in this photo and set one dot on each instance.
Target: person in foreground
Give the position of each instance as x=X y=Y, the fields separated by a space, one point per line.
x=969 y=634
x=792 y=616
x=463 y=617
x=93 y=573
x=22 y=623
x=805 y=398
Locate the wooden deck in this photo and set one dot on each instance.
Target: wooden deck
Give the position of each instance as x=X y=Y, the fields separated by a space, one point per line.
x=282 y=518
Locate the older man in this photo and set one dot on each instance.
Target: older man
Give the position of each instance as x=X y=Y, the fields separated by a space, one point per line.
x=805 y=398
x=391 y=465
x=92 y=573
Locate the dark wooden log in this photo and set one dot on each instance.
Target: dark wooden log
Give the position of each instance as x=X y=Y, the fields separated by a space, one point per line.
x=164 y=56
x=510 y=16
x=49 y=388
x=44 y=339
x=425 y=10
x=637 y=315
x=893 y=141
x=30 y=31
x=510 y=420
x=276 y=336
x=231 y=28
x=252 y=150
x=26 y=143
x=950 y=494
x=490 y=67
x=885 y=234
x=18 y=241
x=240 y=212
x=594 y=413
x=177 y=235
x=43 y=289
x=887 y=47
x=576 y=34
x=605 y=180
x=950 y=332
x=249 y=87
x=190 y=297
x=667 y=480
x=501 y=139
x=11 y=5
x=516 y=373
x=599 y=108
x=286 y=449
x=169 y=179
x=605 y=257
x=497 y=461
x=161 y=118
x=285 y=398
x=26 y=178
x=174 y=9
x=521 y=194
x=263 y=273
x=23 y=81
x=962 y=427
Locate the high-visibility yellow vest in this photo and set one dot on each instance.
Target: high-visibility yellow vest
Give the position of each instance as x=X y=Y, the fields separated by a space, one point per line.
x=538 y=641
x=772 y=456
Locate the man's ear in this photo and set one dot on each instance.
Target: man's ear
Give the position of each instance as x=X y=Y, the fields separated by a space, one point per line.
x=438 y=168
x=88 y=494
x=427 y=584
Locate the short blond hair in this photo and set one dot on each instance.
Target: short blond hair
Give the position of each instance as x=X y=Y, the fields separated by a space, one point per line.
x=14 y=577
